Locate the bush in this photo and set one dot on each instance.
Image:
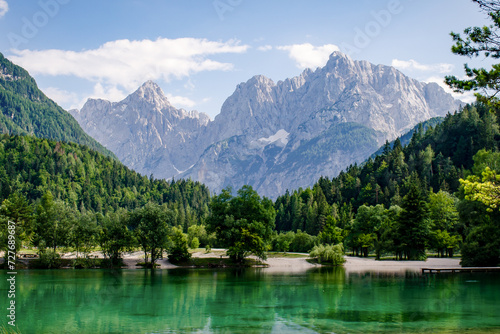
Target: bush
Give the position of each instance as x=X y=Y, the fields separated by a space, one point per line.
x=329 y=254
x=302 y=242
x=481 y=247
x=281 y=242
x=49 y=260
x=195 y=243
x=85 y=263
x=179 y=251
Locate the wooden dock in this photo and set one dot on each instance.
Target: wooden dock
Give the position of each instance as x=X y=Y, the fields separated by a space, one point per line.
x=460 y=270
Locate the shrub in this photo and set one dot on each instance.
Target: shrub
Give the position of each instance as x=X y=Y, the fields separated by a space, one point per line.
x=302 y=242
x=49 y=260
x=179 y=250
x=195 y=243
x=85 y=263
x=329 y=254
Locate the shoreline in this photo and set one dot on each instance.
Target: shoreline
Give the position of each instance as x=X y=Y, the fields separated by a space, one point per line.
x=279 y=264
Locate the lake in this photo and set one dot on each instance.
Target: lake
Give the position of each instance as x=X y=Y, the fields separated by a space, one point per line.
x=324 y=300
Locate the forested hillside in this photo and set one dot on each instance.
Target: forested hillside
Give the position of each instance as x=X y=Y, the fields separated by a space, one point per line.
x=372 y=207
x=66 y=195
x=25 y=110
x=88 y=181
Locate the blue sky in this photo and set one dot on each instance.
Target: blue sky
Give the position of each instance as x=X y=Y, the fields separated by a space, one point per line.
x=198 y=51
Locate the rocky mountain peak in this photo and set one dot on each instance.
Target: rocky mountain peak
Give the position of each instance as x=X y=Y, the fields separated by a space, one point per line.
x=273 y=136
x=337 y=59
x=150 y=93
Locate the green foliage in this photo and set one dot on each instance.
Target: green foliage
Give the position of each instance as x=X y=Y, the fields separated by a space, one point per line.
x=151 y=227
x=54 y=220
x=86 y=263
x=62 y=194
x=482 y=246
x=480 y=41
x=84 y=234
x=444 y=243
x=49 y=259
x=195 y=243
x=443 y=210
x=331 y=233
x=444 y=237
x=328 y=254
x=115 y=237
x=281 y=242
x=365 y=201
x=479 y=212
x=87 y=180
x=17 y=210
x=302 y=242
x=485 y=189
x=413 y=223
x=199 y=232
x=243 y=224
x=25 y=110
x=363 y=231
x=178 y=252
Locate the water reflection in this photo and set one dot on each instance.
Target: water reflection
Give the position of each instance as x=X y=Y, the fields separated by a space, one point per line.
x=321 y=300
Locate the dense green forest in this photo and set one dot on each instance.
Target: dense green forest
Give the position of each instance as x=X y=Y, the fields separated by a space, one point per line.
x=63 y=194
x=25 y=110
x=425 y=196
x=87 y=180
x=406 y=138
x=407 y=199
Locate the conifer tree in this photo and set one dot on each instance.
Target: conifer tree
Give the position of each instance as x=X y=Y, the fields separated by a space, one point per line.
x=414 y=222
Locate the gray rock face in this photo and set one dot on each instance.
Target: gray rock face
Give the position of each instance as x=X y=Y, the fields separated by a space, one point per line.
x=273 y=136
x=145 y=131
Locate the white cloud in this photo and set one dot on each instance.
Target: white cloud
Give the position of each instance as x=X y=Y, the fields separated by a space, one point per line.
x=309 y=56
x=467 y=97
x=265 y=48
x=413 y=65
x=108 y=92
x=63 y=97
x=4 y=7
x=71 y=100
x=128 y=63
x=181 y=101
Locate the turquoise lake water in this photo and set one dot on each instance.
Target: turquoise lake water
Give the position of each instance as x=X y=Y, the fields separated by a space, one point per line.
x=253 y=301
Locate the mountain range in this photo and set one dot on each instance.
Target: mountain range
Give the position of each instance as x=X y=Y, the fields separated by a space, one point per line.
x=273 y=136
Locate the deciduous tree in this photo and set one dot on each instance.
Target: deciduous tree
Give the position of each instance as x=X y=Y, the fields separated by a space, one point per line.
x=244 y=224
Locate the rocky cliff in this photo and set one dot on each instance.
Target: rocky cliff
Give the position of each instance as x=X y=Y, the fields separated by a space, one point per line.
x=273 y=136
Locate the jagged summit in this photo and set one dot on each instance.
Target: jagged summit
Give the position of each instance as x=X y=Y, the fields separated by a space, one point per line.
x=150 y=93
x=273 y=136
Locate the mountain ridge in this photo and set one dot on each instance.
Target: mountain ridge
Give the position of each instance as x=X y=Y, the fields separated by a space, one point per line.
x=236 y=147
x=26 y=110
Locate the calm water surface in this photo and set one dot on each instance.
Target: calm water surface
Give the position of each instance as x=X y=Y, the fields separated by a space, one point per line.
x=253 y=301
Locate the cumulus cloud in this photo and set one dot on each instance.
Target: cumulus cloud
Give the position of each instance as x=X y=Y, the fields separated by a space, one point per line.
x=414 y=65
x=72 y=100
x=129 y=63
x=309 y=56
x=4 y=8
x=181 y=101
x=265 y=48
x=108 y=92
x=467 y=97
x=63 y=97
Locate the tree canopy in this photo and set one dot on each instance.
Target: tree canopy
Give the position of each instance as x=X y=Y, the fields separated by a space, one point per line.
x=474 y=42
x=244 y=224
